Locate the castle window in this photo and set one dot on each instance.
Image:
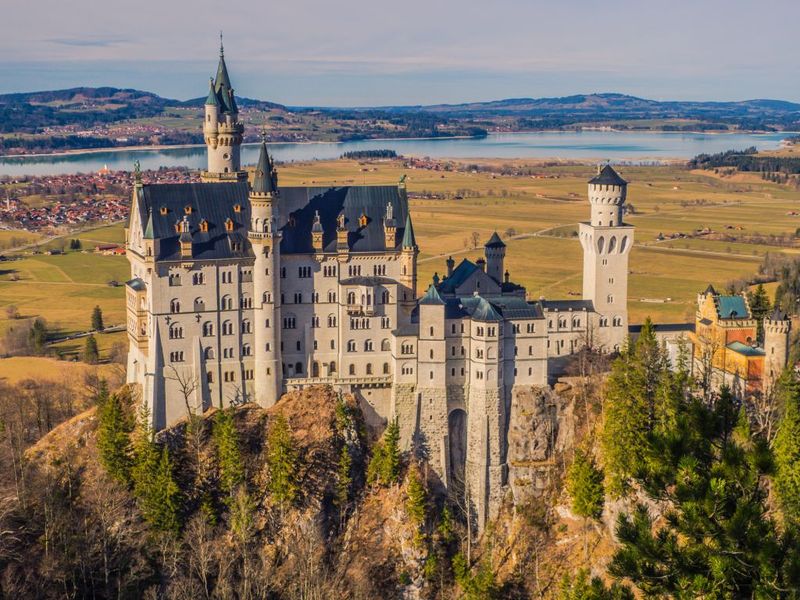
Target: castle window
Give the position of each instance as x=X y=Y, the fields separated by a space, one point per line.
x=531 y=328
x=368 y=346
x=362 y=220
x=176 y=356
x=351 y=345
x=208 y=353
x=385 y=323
x=227 y=328
x=352 y=370
x=237 y=208
x=298 y=346
x=174 y=306
x=209 y=377
x=246 y=326
x=289 y=323
x=163 y=210
x=198 y=278
x=226 y=303
x=174 y=279
x=246 y=301
x=298 y=298
x=385 y=345
x=314 y=322
x=530 y=350
x=208 y=329
x=617 y=322
x=204 y=226
x=333 y=344
x=369 y=368
x=283 y=272
x=331 y=320
x=199 y=305
x=175 y=332
x=610 y=299
x=246 y=350
x=304 y=272
x=187 y=209
x=228 y=224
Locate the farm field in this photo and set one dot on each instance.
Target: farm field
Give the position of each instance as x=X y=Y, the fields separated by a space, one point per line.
x=536 y=215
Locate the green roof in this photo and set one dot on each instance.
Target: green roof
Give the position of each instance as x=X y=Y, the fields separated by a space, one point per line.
x=148 y=230
x=431 y=296
x=409 y=241
x=212 y=99
x=732 y=307
x=744 y=349
x=222 y=85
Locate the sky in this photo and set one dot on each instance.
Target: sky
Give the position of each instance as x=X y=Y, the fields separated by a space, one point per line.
x=377 y=52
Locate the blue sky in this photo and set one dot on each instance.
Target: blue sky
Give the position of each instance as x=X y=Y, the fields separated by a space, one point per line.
x=377 y=52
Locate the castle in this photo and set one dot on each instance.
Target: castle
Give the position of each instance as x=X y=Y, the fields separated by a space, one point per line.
x=240 y=291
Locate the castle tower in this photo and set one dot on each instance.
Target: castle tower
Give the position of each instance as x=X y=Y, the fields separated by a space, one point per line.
x=222 y=130
x=265 y=239
x=408 y=265
x=607 y=242
x=495 y=252
x=776 y=347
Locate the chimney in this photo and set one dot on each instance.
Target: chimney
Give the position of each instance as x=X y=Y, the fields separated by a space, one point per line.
x=450 y=266
x=481 y=262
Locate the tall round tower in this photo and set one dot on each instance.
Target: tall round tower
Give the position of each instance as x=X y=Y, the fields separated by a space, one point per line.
x=222 y=131
x=776 y=348
x=607 y=242
x=495 y=252
x=265 y=238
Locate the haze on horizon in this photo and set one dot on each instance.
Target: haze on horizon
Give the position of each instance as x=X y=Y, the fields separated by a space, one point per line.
x=367 y=53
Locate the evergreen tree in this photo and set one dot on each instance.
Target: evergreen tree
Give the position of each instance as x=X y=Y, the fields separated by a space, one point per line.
x=344 y=479
x=787 y=449
x=639 y=400
x=91 y=354
x=229 y=455
x=582 y=588
x=161 y=504
x=417 y=504
x=384 y=467
x=759 y=308
x=716 y=539
x=97 y=319
x=113 y=436
x=282 y=463
x=585 y=487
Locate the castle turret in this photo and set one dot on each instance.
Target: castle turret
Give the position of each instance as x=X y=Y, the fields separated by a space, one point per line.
x=607 y=242
x=776 y=348
x=408 y=264
x=265 y=238
x=222 y=130
x=495 y=252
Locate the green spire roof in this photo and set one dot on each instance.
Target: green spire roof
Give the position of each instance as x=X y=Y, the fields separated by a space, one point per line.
x=495 y=242
x=431 y=296
x=222 y=84
x=265 y=180
x=212 y=99
x=409 y=241
x=148 y=230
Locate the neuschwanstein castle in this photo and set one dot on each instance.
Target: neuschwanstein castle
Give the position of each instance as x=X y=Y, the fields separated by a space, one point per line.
x=242 y=290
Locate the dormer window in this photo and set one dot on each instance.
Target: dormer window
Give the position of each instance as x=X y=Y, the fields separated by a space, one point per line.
x=163 y=210
x=363 y=220
x=228 y=225
x=204 y=226
x=187 y=209
x=177 y=226
x=237 y=208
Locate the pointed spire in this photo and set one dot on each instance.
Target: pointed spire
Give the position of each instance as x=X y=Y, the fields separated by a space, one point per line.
x=265 y=180
x=431 y=296
x=148 y=230
x=409 y=241
x=222 y=83
x=317 y=226
x=494 y=242
x=212 y=99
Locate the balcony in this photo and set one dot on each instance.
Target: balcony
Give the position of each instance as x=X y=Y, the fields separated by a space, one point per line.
x=366 y=380
x=360 y=309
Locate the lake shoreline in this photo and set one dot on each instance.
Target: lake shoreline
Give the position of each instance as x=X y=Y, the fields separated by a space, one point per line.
x=157 y=147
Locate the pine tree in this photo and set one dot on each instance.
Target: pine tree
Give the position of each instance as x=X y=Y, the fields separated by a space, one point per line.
x=161 y=504
x=282 y=463
x=113 y=436
x=585 y=487
x=229 y=455
x=344 y=479
x=759 y=308
x=97 y=319
x=384 y=467
x=581 y=587
x=787 y=449
x=417 y=504
x=91 y=353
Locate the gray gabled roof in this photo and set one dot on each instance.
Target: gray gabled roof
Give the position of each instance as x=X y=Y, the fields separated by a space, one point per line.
x=608 y=176
x=495 y=242
x=460 y=274
x=211 y=202
x=566 y=305
x=136 y=284
x=484 y=311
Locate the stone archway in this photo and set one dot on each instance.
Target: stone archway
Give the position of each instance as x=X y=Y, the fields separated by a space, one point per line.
x=457 y=435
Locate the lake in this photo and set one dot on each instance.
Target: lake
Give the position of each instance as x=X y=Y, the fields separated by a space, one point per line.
x=598 y=145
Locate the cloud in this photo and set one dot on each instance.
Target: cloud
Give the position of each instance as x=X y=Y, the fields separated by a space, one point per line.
x=89 y=42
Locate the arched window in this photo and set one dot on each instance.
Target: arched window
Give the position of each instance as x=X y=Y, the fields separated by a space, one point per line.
x=174 y=306
x=385 y=345
x=199 y=305
x=601 y=244
x=227 y=328
x=246 y=327
x=315 y=369
x=246 y=350
x=368 y=346
x=332 y=367
x=612 y=244
x=385 y=368
x=175 y=331
x=208 y=353
x=208 y=329
x=331 y=320
x=369 y=368
x=623 y=245
x=351 y=345
x=298 y=368
x=352 y=369
x=226 y=303
x=351 y=298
